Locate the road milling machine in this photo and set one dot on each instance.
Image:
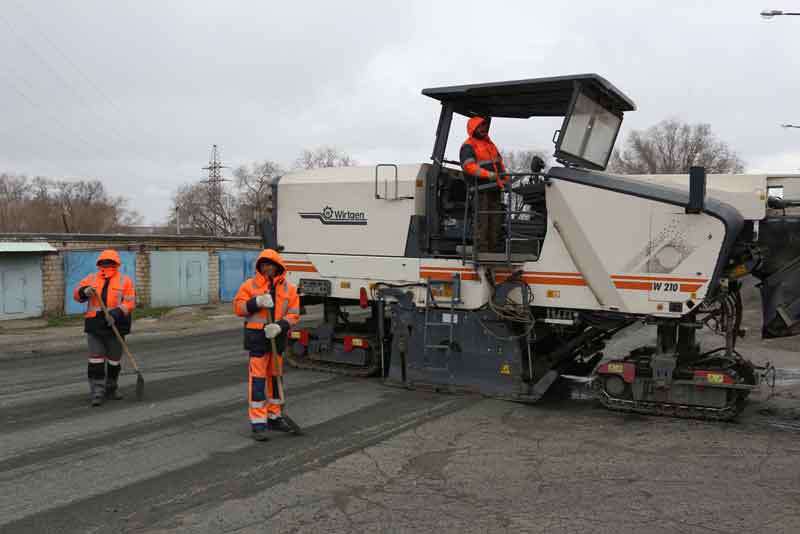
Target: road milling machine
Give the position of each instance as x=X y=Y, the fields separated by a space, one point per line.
x=582 y=255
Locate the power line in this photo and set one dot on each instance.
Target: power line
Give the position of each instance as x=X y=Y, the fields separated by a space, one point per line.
x=74 y=65
x=61 y=78
x=67 y=139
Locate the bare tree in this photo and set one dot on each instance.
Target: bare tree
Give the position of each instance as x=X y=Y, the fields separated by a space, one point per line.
x=520 y=160
x=46 y=205
x=671 y=147
x=323 y=156
x=254 y=183
x=206 y=212
x=15 y=193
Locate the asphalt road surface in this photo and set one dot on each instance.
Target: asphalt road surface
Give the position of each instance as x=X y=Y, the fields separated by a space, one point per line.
x=374 y=458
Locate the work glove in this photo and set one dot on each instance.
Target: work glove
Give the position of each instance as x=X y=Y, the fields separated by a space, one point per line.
x=87 y=291
x=116 y=314
x=265 y=301
x=109 y=319
x=272 y=330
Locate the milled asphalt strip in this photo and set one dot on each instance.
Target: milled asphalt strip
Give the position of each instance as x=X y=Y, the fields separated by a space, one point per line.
x=54 y=407
x=96 y=423
x=72 y=394
x=153 y=423
x=97 y=469
x=217 y=461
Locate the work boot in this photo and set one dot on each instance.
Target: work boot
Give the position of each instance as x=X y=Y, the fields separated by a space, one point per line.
x=112 y=391
x=278 y=424
x=260 y=434
x=98 y=389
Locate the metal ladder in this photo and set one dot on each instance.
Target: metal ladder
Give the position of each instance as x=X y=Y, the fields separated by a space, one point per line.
x=429 y=303
x=506 y=257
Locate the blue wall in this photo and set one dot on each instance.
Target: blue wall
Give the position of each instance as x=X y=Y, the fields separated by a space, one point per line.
x=235 y=266
x=78 y=264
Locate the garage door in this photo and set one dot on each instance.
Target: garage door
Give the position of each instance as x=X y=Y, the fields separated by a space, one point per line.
x=178 y=278
x=20 y=286
x=235 y=266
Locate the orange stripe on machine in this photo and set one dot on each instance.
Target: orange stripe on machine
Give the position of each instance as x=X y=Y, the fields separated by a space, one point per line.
x=657 y=278
x=448 y=275
x=300 y=266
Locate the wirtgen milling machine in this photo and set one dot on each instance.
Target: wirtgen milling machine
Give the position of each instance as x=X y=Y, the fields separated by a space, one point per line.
x=583 y=255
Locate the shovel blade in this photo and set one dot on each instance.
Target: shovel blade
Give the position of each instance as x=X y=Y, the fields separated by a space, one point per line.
x=139 y=387
x=296 y=430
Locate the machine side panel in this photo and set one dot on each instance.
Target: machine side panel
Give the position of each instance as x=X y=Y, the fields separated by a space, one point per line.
x=330 y=212
x=348 y=274
x=745 y=192
x=731 y=219
x=634 y=253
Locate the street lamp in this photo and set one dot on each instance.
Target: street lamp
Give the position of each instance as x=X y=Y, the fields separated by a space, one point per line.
x=789 y=126
x=768 y=14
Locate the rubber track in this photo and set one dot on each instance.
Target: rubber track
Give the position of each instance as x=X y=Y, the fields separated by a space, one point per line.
x=671 y=410
x=339 y=369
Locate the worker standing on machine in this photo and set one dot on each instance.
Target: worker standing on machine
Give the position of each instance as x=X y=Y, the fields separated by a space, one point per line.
x=258 y=296
x=480 y=159
x=117 y=292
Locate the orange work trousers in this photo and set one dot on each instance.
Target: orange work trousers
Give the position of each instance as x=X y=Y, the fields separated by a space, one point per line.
x=263 y=386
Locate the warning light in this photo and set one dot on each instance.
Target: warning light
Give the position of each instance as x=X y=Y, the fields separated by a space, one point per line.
x=301 y=336
x=363 y=301
x=353 y=342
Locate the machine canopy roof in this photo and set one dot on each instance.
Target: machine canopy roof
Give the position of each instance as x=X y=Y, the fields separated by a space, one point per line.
x=522 y=99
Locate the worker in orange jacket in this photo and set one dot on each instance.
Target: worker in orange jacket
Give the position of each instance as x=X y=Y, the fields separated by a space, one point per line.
x=105 y=351
x=267 y=290
x=481 y=160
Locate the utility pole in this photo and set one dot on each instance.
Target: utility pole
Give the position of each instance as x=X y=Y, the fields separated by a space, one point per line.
x=214 y=182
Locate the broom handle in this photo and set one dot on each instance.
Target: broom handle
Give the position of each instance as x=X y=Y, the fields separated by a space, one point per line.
x=117 y=334
x=275 y=356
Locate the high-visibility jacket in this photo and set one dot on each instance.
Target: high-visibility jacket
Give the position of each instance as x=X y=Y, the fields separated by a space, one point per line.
x=480 y=156
x=116 y=290
x=286 y=312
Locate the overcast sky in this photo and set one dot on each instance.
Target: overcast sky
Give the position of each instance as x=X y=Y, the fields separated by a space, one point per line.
x=135 y=93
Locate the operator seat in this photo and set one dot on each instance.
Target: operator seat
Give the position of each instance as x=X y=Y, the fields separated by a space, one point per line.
x=452 y=193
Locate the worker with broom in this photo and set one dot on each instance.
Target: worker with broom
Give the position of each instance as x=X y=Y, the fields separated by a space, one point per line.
x=265 y=335
x=110 y=289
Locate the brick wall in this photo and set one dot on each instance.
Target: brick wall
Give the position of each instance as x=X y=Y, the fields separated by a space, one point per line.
x=53 y=264
x=142 y=279
x=53 y=284
x=213 y=278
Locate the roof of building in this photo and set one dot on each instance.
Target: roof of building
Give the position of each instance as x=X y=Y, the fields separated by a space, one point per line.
x=26 y=246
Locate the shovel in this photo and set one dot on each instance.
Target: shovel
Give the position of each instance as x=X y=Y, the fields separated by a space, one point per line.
x=296 y=430
x=139 y=377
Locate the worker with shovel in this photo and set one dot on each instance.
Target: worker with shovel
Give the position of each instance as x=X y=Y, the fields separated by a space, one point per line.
x=265 y=335
x=107 y=288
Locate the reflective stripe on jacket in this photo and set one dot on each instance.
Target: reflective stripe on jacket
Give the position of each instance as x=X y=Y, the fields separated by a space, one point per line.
x=286 y=310
x=120 y=293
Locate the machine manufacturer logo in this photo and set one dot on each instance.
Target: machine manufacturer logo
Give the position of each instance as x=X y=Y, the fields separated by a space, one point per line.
x=329 y=215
